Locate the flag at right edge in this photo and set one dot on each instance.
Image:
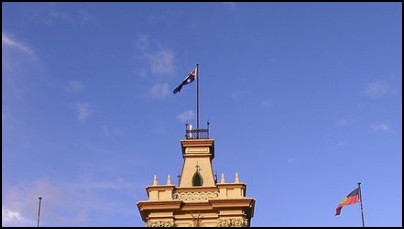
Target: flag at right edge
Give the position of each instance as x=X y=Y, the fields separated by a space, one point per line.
x=352 y=198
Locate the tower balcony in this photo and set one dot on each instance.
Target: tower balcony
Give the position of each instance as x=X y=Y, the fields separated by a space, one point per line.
x=196 y=133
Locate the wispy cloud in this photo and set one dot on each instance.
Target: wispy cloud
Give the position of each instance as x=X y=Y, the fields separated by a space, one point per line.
x=186 y=116
x=380 y=127
x=377 y=89
x=156 y=63
x=160 y=60
x=18 y=61
x=20 y=201
x=13 y=218
x=84 y=110
x=64 y=203
x=159 y=91
x=8 y=41
x=75 y=86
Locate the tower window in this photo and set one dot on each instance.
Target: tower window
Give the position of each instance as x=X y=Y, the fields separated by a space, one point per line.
x=197 y=179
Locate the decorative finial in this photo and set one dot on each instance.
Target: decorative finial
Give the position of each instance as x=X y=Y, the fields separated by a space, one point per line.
x=222 y=180
x=168 y=179
x=236 y=179
x=155 y=182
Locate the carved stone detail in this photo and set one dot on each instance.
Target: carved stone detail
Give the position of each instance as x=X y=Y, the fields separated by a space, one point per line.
x=195 y=196
x=160 y=224
x=232 y=223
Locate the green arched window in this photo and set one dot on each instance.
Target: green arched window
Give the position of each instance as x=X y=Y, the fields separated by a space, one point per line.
x=197 y=180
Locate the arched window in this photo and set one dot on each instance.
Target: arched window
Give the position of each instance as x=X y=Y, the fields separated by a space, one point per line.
x=197 y=179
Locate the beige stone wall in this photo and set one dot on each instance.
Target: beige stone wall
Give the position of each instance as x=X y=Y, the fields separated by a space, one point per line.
x=204 y=166
x=210 y=205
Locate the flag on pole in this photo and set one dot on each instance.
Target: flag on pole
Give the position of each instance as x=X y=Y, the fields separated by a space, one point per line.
x=352 y=198
x=189 y=79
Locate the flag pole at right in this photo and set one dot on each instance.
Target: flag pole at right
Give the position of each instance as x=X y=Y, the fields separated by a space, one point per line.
x=360 y=198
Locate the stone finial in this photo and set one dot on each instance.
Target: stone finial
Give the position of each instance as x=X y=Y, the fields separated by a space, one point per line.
x=236 y=179
x=222 y=180
x=168 y=179
x=155 y=182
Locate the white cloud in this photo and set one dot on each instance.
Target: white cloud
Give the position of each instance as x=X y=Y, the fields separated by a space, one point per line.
x=75 y=86
x=63 y=204
x=160 y=60
x=18 y=63
x=159 y=91
x=20 y=202
x=377 y=89
x=186 y=116
x=84 y=110
x=380 y=127
x=157 y=62
x=12 y=218
x=9 y=42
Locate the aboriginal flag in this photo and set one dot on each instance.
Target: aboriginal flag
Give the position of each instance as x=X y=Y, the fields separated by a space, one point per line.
x=352 y=198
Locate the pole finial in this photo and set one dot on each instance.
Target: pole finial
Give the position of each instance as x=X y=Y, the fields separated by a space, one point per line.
x=155 y=182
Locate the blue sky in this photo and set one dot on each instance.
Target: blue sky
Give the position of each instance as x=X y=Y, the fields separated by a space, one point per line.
x=304 y=100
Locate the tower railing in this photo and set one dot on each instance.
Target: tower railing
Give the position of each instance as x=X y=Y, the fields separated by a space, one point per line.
x=196 y=133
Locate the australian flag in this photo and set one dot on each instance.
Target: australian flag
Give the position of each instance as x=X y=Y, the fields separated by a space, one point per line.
x=189 y=79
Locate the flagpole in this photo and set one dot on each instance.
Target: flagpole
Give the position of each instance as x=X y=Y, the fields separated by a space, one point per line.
x=360 y=197
x=197 y=100
x=39 y=210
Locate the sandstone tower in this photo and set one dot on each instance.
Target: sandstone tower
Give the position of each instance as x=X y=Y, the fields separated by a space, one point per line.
x=199 y=200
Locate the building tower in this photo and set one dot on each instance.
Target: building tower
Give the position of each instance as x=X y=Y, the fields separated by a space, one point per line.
x=199 y=200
